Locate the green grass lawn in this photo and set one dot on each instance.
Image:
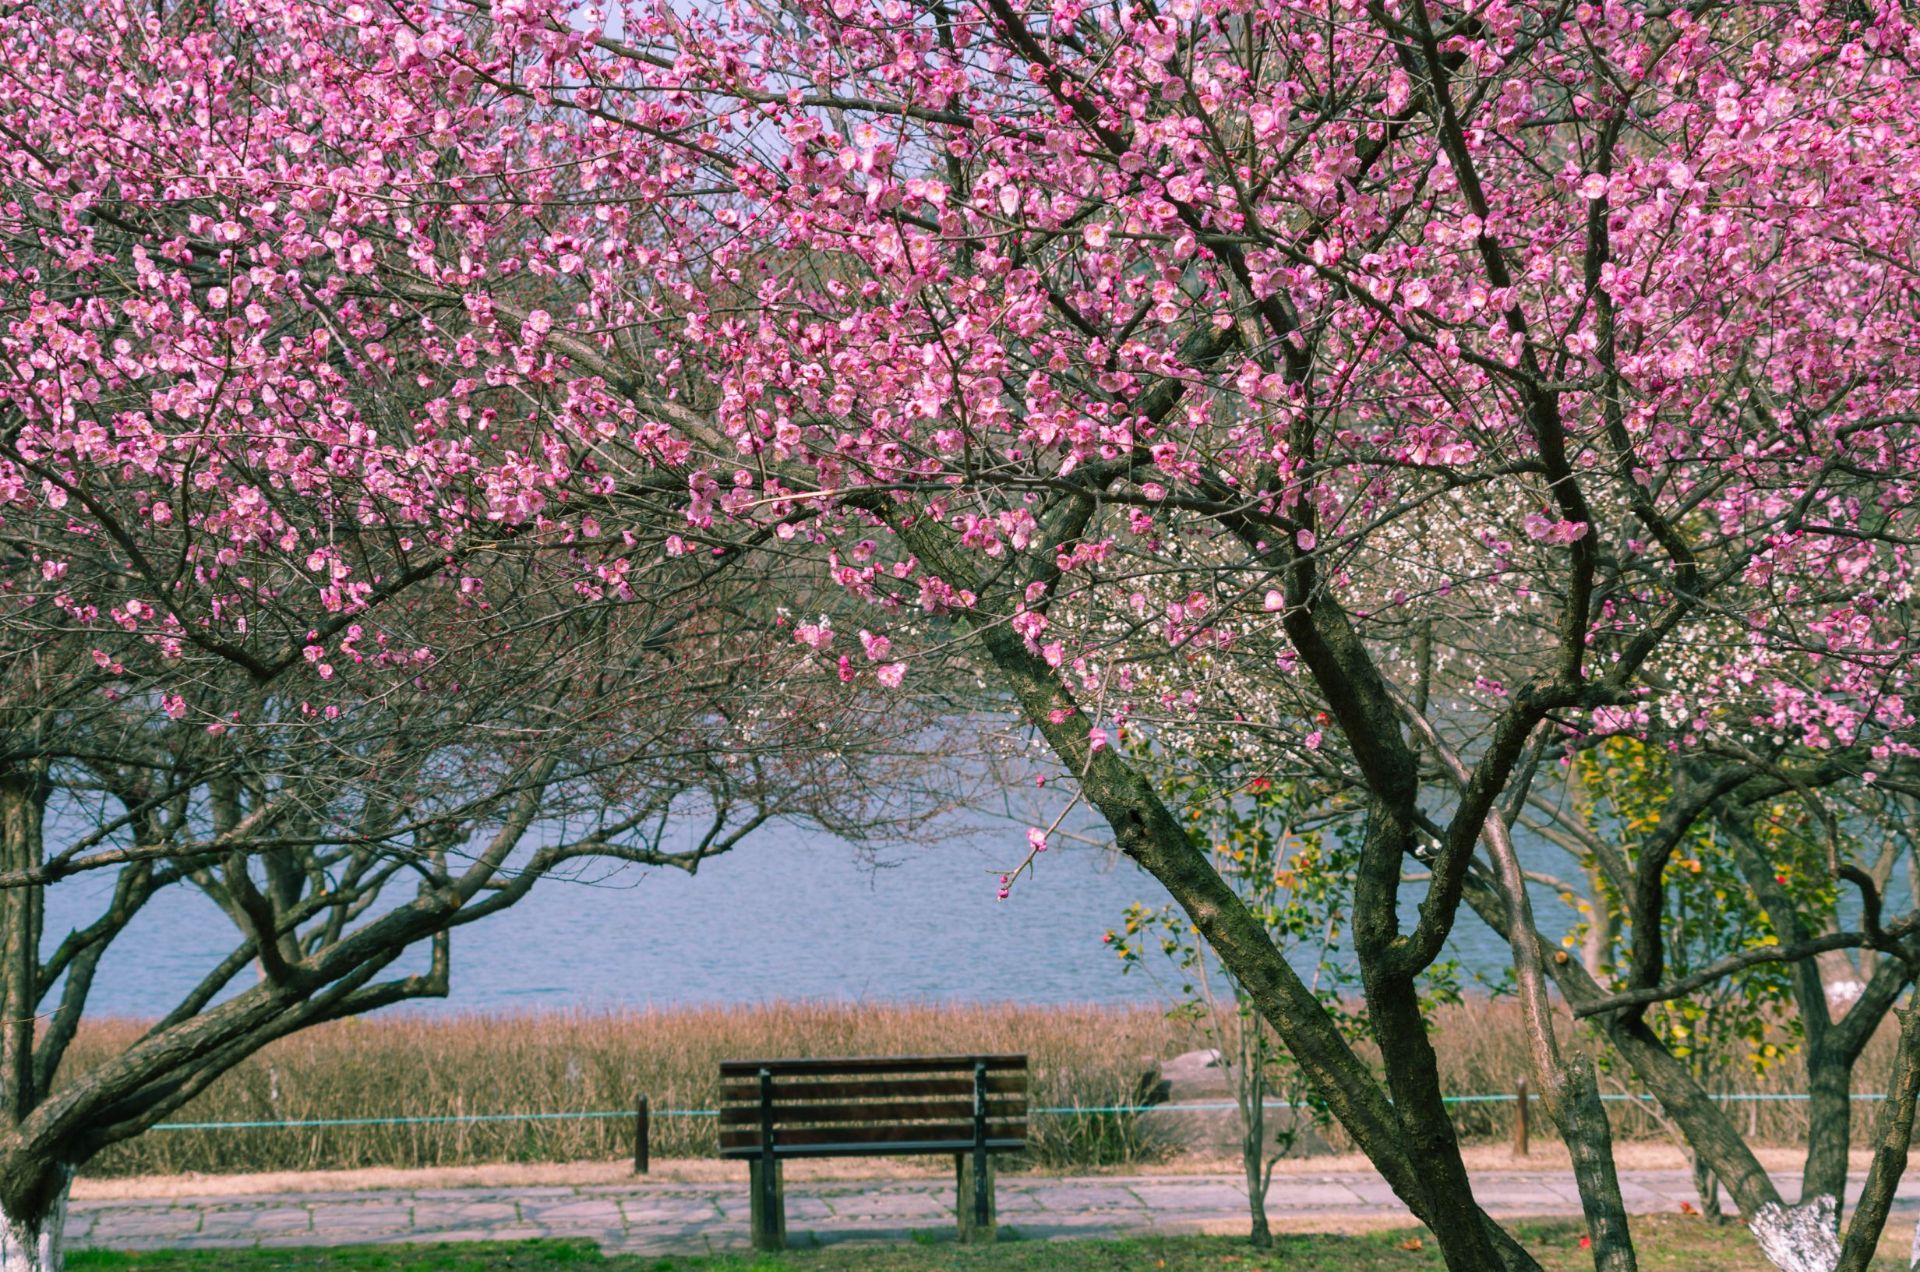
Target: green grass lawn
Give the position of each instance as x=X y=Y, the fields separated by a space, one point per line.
x=1667 y=1243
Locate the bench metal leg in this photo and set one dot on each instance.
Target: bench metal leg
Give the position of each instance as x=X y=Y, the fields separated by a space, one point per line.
x=769 y=1207
x=974 y=1202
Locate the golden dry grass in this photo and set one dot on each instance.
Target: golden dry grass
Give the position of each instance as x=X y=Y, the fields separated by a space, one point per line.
x=560 y=1062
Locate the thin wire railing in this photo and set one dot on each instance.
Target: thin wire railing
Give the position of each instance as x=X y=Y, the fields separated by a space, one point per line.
x=1065 y=1110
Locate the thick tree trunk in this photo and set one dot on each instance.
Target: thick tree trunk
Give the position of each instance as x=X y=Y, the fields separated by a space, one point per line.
x=33 y=1212
x=1829 y=1124
x=1584 y=1128
x=1404 y=1154
x=22 y=807
x=1413 y=1077
x=33 y=1189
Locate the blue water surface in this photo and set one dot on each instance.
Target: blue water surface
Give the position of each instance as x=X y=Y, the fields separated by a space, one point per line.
x=793 y=914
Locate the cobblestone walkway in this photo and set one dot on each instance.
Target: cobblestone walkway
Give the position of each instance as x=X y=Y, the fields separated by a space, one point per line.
x=695 y=1218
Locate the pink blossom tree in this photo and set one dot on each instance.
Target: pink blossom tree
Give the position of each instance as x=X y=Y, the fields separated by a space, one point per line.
x=307 y=611
x=1470 y=380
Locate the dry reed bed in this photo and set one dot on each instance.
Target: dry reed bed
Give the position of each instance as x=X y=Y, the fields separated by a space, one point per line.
x=562 y=1062
x=565 y=1062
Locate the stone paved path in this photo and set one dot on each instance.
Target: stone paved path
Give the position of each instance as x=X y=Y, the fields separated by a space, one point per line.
x=667 y=1218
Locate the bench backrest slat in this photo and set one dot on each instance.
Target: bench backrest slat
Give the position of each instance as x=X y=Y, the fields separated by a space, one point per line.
x=1002 y=1083
x=867 y=1064
x=873 y=1104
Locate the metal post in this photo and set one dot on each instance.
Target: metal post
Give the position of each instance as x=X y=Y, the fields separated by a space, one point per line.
x=981 y=1215
x=1520 y=1120
x=642 y=1133
x=770 y=1228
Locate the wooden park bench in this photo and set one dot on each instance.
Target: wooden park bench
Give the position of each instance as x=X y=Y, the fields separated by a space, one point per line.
x=969 y=1106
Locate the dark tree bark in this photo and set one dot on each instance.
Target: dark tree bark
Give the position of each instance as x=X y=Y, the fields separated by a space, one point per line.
x=1893 y=1140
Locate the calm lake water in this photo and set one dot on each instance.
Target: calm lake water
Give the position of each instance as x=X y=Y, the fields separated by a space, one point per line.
x=791 y=915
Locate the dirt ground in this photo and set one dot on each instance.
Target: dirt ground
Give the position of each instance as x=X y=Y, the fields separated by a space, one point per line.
x=1544 y=1157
